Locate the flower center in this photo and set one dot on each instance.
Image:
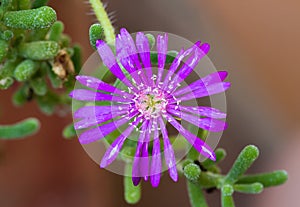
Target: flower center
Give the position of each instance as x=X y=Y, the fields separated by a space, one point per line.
x=151 y=102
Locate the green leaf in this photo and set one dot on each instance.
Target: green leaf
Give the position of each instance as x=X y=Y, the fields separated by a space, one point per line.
x=25 y=70
x=96 y=32
x=69 y=131
x=39 y=3
x=227 y=201
x=21 y=96
x=56 y=30
x=24 y=4
x=21 y=129
x=7 y=70
x=3 y=50
x=39 y=18
x=253 y=188
x=76 y=58
x=39 y=86
x=132 y=194
x=39 y=50
x=196 y=196
x=266 y=179
x=245 y=159
x=192 y=172
x=151 y=40
x=7 y=35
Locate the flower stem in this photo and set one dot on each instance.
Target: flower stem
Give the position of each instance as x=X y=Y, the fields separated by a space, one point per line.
x=104 y=20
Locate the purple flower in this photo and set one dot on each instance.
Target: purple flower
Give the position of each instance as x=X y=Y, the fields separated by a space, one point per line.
x=150 y=98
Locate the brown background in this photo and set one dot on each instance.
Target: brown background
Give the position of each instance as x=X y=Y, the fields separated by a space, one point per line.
x=257 y=41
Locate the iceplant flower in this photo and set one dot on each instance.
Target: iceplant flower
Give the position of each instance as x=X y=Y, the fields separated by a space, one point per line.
x=150 y=100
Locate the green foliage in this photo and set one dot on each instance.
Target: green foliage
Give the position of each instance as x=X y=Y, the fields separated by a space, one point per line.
x=96 y=32
x=39 y=50
x=196 y=196
x=3 y=50
x=132 y=193
x=25 y=70
x=19 y=130
x=69 y=132
x=39 y=3
x=39 y=18
x=192 y=172
x=233 y=181
x=56 y=31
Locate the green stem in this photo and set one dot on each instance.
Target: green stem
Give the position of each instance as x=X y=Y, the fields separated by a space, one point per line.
x=104 y=20
x=197 y=198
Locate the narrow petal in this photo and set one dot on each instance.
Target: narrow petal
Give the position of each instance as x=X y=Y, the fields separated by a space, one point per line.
x=213 y=125
x=95 y=120
x=138 y=160
x=189 y=66
x=89 y=111
x=162 y=48
x=145 y=153
x=87 y=95
x=210 y=79
x=201 y=110
x=155 y=170
x=206 y=91
x=123 y=51
x=95 y=83
x=196 y=142
x=177 y=61
x=109 y=61
x=143 y=48
x=168 y=151
x=100 y=132
x=114 y=149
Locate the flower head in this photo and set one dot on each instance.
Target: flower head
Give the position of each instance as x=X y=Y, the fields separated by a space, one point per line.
x=151 y=99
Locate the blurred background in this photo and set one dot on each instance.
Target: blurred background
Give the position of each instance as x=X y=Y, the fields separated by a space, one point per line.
x=256 y=41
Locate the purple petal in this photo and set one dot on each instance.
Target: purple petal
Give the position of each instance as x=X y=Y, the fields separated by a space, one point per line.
x=169 y=152
x=155 y=170
x=162 y=47
x=136 y=180
x=196 y=142
x=189 y=65
x=87 y=95
x=114 y=149
x=123 y=50
x=182 y=54
x=206 y=91
x=143 y=47
x=203 y=82
x=213 y=125
x=145 y=154
x=201 y=110
x=100 y=132
x=95 y=83
x=90 y=111
x=95 y=120
x=138 y=161
x=109 y=61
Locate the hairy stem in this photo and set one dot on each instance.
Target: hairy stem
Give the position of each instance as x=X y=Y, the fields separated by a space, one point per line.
x=104 y=20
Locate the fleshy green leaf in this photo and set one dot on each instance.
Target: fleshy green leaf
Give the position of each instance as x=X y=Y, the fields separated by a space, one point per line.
x=25 y=70
x=253 y=188
x=196 y=196
x=56 y=30
x=69 y=132
x=39 y=18
x=39 y=50
x=39 y=3
x=132 y=193
x=21 y=129
x=5 y=83
x=245 y=159
x=7 y=35
x=266 y=179
x=96 y=32
x=39 y=86
x=3 y=50
x=192 y=172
